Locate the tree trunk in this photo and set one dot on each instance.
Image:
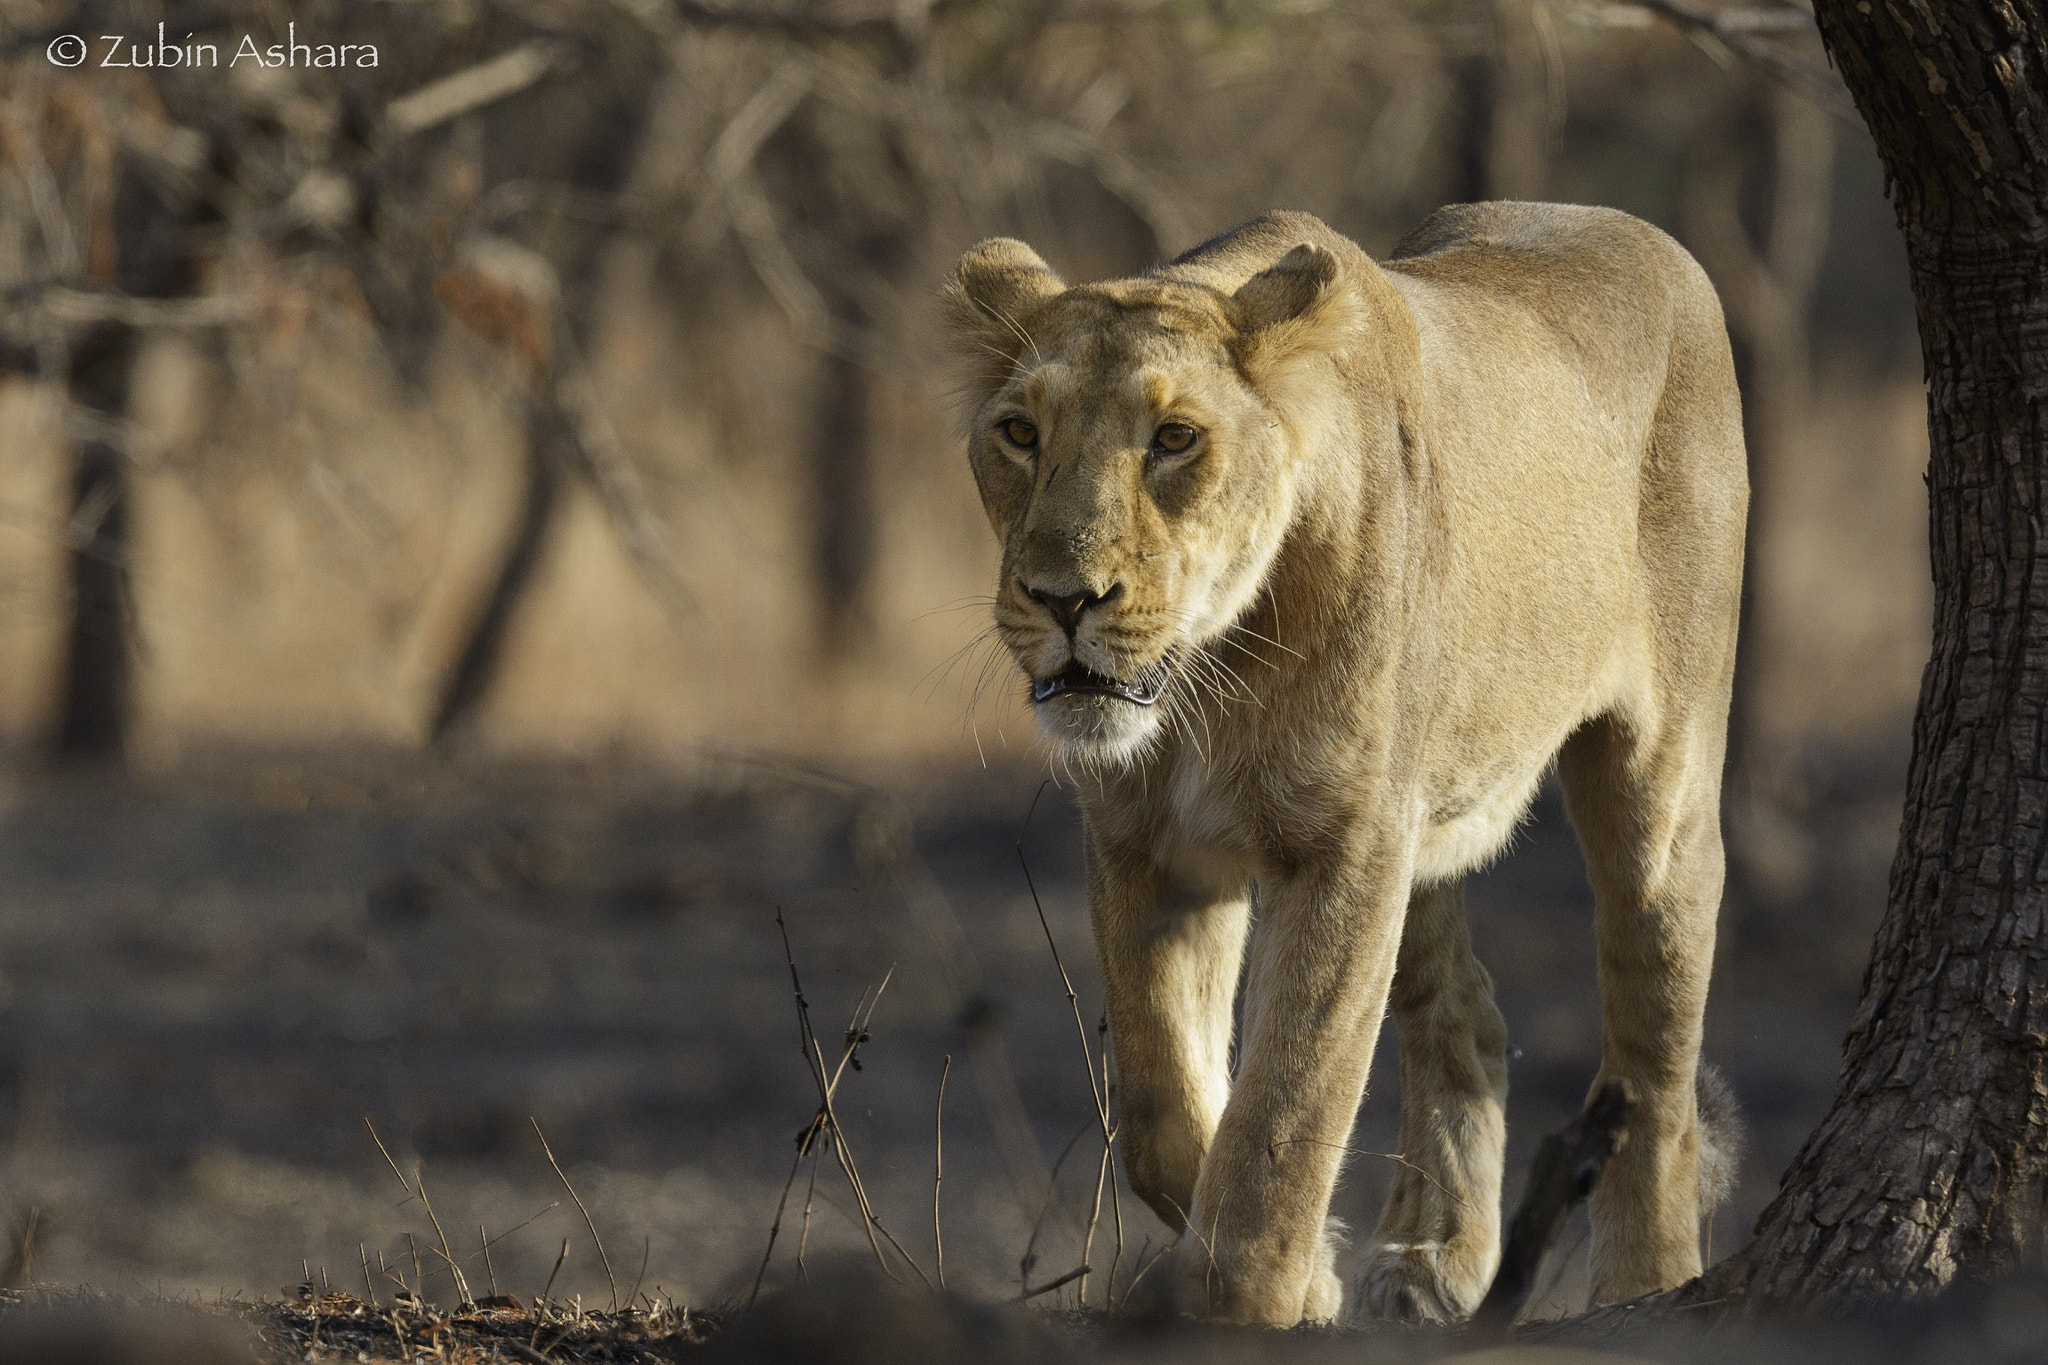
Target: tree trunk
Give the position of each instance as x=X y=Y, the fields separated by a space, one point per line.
x=1933 y=1158
x=149 y=226
x=1510 y=103
x=1527 y=110
x=483 y=648
x=1765 y=260
x=842 y=472
x=92 y=719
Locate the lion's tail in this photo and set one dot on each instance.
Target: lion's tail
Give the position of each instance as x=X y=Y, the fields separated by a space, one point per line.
x=1722 y=1138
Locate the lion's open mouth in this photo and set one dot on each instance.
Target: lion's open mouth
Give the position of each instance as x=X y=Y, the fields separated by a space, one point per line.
x=1143 y=689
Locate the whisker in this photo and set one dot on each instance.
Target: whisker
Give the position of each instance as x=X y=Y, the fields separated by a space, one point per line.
x=1241 y=690
x=945 y=669
x=991 y=666
x=1247 y=651
x=1247 y=630
x=957 y=604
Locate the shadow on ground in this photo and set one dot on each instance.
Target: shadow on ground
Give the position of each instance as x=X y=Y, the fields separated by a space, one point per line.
x=212 y=979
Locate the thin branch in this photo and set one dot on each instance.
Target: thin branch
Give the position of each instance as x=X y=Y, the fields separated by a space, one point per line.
x=213 y=310
x=939 y=1168
x=803 y=1149
x=1098 y=1091
x=549 y=1287
x=828 y=1117
x=419 y=1185
x=1029 y=1260
x=1744 y=31
x=1274 y=1147
x=588 y=1221
x=806 y=1141
x=471 y=88
x=1079 y=1272
x=640 y=529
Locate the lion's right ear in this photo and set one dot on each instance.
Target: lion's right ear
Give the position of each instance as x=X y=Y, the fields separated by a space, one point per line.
x=1278 y=310
x=990 y=299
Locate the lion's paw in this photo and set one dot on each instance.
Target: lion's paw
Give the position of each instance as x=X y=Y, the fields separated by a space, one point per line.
x=1325 y=1300
x=1415 y=1283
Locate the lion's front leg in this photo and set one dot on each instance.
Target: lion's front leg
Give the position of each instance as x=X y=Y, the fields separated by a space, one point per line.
x=1171 y=943
x=1438 y=1241
x=1258 y=1249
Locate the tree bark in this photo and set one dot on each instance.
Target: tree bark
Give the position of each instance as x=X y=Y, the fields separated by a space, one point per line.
x=1933 y=1158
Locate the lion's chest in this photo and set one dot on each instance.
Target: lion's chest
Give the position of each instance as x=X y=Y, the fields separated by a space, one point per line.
x=1200 y=829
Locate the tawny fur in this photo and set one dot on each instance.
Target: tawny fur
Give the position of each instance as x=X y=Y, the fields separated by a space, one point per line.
x=1448 y=519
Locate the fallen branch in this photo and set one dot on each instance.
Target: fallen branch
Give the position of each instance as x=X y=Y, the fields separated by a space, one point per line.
x=1078 y=1272
x=470 y=89
x=80 y=305
x=1567 y=1166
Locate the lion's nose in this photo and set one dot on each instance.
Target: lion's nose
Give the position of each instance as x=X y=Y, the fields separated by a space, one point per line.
x=1066 y=608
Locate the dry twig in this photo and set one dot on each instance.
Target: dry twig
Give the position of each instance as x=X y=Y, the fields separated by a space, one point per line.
x=588 y=1221
x=1098 y=1090
x=824 y=1125
x=939 y=1168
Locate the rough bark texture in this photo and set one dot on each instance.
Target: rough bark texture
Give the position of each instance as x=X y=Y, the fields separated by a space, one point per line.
x=1934 y=1156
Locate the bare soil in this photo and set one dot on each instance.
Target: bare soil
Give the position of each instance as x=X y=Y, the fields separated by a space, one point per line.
x=213 y=977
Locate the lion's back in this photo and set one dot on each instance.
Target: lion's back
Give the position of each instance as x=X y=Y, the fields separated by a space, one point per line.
x=1579 y=403
x=1578 y=246
x=1625 y=299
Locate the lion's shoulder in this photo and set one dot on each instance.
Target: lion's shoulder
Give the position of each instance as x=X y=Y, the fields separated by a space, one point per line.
x=1556 y=255
x=1621 y=289
x=1504 y=228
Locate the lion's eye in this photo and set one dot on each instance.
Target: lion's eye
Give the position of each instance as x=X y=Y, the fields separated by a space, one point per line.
x=1020 y=433
x=1174 y=438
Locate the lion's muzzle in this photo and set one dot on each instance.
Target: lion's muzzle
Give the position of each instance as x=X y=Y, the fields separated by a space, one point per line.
x=1142 y=689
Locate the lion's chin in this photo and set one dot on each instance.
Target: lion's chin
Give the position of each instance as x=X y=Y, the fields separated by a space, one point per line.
x=1096 y=729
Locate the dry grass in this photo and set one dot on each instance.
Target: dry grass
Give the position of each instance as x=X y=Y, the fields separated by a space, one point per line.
x=337 y=1326
x=51 y=1326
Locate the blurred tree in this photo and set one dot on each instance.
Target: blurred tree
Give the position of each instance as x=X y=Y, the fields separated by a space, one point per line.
x=1757 y=195
x=1527 y=105
x=143 y=234
x=1933 y=1158
x=123 y=232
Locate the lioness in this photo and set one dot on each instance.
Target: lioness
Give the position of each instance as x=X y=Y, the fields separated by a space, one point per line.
x=1315 y=565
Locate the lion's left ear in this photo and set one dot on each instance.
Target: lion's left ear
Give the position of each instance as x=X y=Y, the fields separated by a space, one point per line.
x=1282 y=304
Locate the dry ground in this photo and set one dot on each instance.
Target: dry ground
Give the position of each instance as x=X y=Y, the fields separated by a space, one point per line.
x=211 y=978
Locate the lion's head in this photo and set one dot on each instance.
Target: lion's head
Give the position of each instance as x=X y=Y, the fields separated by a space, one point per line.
x=1136 y=452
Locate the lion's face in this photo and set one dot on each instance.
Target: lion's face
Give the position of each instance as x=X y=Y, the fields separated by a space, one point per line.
x=1138 y=481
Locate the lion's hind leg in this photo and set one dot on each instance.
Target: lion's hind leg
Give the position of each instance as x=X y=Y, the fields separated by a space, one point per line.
x=1646 y=803
x=1438 y=1240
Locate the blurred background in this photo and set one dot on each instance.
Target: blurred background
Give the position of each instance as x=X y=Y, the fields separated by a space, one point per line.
x=481 y=531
